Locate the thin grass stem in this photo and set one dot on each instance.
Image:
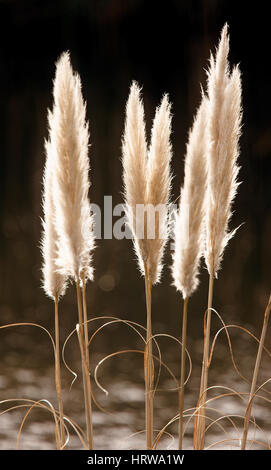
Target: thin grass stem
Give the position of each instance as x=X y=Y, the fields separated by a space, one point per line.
x=255 y=374
x=200 y=419
x=61 y=430
x=85 y=369
x=182 y=376
x=148 y=368
x=85 y=315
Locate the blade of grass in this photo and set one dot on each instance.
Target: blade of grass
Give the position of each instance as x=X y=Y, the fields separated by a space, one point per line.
x=255 y=374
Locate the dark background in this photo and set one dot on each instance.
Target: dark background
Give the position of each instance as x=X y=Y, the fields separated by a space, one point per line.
x=165 y=46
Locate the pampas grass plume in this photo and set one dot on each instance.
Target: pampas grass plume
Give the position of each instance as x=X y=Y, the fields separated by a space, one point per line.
x=147 y=180
x=224 y=125
x=159 y=185
x=54 y=283
x=134 y=160
x=190 y=216
x=69 y=137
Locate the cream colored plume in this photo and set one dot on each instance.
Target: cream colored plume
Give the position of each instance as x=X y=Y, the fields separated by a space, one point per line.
x=190 y=216
x=69 y=139
x=224 y=124
x=54 y=283
x=134 y=160
x=158 y=186
x=147 y=181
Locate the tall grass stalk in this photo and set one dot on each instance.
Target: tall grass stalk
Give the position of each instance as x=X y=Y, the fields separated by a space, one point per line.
x=189 y=228
x=149 y=370
x=255 y=374
x=223 y=131
x=54 y=283
x=61 y=430
x=147 y=182
x=182 y=375
x=85 y=368
x=85 y=316
x=70 y=211
x=199 y=437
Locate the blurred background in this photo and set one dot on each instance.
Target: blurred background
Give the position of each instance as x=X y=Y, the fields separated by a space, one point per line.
x=165 y=46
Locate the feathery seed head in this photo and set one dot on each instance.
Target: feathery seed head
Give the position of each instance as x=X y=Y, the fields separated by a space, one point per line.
x=159 y=186
x=146 y=176
x=224 y=125
x=190 y=216
x=69 y=138
x=134 y=160
x=54 y=283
